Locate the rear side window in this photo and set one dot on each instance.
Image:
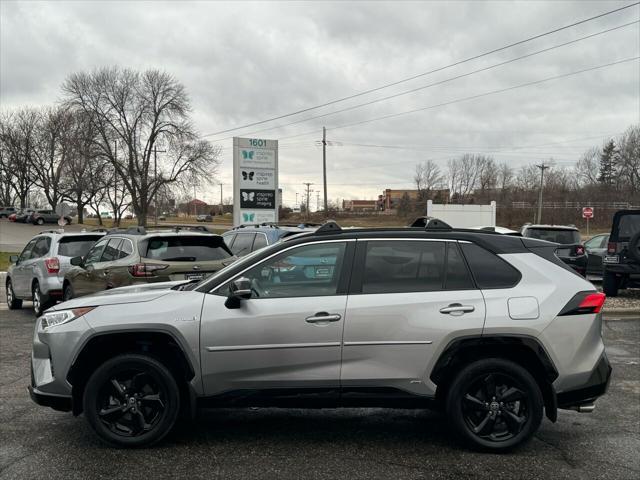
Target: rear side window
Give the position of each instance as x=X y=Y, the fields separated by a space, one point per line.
x=112 y=250
x=126 y=248
x=399 y=266
x=228 y=239
x=489 y=270
x=76 y=246
x=185 y=248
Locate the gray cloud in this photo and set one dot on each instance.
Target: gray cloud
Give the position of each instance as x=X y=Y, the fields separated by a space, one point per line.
x=243 y=62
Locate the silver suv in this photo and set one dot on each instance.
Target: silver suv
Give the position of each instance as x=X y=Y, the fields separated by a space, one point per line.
x=38 y=272
x=494 y=330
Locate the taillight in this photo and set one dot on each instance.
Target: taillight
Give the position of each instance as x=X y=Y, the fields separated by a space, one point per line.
x=145 y=269
x=52 y=264
x=611 y=248
x=584 y=302
x=579 y=250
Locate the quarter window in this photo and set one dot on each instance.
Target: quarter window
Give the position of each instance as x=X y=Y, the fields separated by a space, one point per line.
x=489 y=270
x=306 y=271
x=458 y=276
x=403 y=266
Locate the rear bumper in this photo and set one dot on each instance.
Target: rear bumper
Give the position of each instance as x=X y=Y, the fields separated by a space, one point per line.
x=595 y=387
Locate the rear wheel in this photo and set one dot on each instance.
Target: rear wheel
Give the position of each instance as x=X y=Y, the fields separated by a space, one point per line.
x=131 y=401
x=12 y=302
x=40 y=221
x=610 y=284
x=494 y=404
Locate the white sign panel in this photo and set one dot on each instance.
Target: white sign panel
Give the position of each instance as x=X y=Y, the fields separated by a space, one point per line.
x=255 y=181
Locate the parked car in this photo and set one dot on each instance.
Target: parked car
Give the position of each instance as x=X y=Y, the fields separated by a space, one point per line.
x=40 y=217
x=12 y=217
x=492 y=329
x=6 y=211
x=571 y=251
x=37 y=273
x=596 y=248
x=23 y=215
x=204 y=218
x=135 y=255
x=245 y=239
x=622 y=260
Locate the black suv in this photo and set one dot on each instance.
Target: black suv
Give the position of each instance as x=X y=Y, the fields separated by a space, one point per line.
x=622 y=259
x=571 y=250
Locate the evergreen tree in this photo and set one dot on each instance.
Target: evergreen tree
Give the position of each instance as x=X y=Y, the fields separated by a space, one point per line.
x=608 y=160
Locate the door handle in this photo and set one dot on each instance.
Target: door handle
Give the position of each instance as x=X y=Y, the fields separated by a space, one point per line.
x=105 y=272
x=457 y=309
x=323 y=317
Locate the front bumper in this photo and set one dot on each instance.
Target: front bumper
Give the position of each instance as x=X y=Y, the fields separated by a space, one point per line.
x=57 y=402
x=596 y=386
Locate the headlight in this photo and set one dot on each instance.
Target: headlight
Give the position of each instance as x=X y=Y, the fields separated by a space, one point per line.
x=52 y=319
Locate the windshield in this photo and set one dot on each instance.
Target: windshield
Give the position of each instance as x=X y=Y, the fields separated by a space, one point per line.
x=184 y=248
x=565 y=237
x=76 y=246
x=629 y=225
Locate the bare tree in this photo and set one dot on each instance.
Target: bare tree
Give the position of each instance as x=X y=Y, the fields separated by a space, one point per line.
x=139 y=111
x=427 y=178
x=588 y=167
x=629 y=159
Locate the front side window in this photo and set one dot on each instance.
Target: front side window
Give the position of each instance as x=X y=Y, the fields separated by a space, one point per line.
x=403 y=266
x=26 y=253
x=307 y=271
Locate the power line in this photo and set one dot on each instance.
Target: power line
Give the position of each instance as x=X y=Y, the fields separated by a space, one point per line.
x=440 y=82
x=439 y=69
x=485 y=94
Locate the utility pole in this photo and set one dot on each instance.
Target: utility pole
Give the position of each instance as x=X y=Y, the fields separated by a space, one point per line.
x=542 y=168
x=324 y=168
x=195 y=207
x=318 y=201
x=221 y=202
x=308 y=184
x=155 y=183
x=297 y=205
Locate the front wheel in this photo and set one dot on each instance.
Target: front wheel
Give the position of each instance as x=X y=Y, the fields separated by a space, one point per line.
x=494 y=404
x=131 y=401
x=12 y=302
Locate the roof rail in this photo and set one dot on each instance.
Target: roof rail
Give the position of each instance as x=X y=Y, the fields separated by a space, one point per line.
x=137 y=230
x=430 y=223
x=330 y=226
x=60 y=230
x=101 y=229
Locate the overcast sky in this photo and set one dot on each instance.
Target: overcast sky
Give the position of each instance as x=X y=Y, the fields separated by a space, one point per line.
x=244 y=62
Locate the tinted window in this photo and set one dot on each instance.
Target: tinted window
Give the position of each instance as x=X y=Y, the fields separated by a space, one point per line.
x=489 y=270
x=566 y=237
x=111 y=251
x=242 y=244
x=95 y=252
x=393 y=267
x=629 y=225
x=259 y=242
x=184 y=248
x=41 y=248
x=307 y=271
x=76 y=246
x=457 y=275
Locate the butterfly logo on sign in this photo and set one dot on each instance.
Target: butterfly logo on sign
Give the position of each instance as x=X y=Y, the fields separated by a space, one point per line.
x=248 y=175
x=248 y=196
x=247 y=154
x=248 y=217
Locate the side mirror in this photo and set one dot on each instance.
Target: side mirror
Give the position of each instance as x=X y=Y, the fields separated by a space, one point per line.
x=239 y=289
x=13 y=258
x=76 y=261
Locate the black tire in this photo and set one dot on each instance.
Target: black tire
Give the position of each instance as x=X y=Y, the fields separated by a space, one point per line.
x=39 y=300
x=67 y=292
x=610 y=284
x=67 y=220
x=12 y=302
x=40 y=221
x=122 y=422
x=494 y=405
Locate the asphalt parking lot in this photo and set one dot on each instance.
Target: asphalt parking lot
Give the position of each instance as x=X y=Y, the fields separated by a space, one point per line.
x=38 y=442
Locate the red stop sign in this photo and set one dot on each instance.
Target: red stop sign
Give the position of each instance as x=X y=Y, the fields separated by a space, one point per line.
x=587 y=212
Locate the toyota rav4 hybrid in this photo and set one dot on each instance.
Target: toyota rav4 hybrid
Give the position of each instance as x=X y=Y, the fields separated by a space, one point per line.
x=494 y=330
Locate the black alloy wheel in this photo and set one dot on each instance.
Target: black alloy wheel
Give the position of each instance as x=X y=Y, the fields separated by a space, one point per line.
x=131 y=401
x=495 y=404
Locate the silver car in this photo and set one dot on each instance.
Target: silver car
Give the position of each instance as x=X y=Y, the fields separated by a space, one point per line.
x=494 y=330
x=37 y=274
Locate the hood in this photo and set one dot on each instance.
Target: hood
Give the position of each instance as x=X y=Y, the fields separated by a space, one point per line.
x=118 y=296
